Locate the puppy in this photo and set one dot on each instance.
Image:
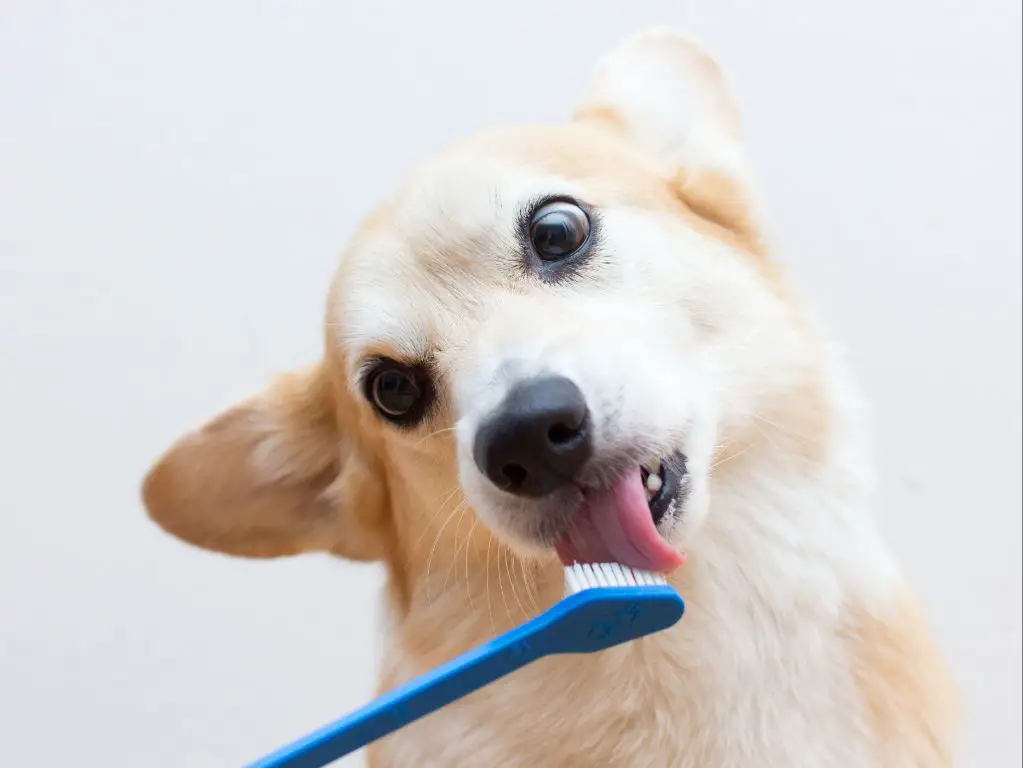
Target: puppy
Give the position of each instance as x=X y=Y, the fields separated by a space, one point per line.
x=569 y=343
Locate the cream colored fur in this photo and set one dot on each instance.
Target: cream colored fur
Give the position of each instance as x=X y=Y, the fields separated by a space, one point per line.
x=801 y=645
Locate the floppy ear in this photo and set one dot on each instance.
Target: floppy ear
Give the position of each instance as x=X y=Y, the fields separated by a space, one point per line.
x=667 y=96
x=272 y=476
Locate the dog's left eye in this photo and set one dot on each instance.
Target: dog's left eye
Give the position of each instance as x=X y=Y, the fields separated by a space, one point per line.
x=558 y=229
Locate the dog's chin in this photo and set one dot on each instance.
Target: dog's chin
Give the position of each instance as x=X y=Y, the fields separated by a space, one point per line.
x=630 y=515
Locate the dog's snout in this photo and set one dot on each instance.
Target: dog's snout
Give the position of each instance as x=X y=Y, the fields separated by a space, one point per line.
x=537 y=439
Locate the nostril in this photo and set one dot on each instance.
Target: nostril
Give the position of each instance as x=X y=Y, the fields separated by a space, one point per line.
x=562 y=434
x=515 y=474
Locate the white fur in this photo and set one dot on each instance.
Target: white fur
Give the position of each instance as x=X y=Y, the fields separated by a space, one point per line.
x=671 y=102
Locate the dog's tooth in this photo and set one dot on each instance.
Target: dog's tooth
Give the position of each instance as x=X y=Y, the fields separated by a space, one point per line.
x=653 y=483
x=653 y=466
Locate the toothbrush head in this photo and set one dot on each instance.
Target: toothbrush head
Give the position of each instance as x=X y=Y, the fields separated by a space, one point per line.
x=607 y=604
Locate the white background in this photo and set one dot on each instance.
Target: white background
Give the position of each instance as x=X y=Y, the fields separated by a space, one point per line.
x=177 y=179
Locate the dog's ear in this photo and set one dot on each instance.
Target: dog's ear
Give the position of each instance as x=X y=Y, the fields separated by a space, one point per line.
x=667 y=96
x=272 y=476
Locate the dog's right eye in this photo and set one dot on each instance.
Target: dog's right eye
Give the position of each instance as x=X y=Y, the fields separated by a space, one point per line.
x=397 y=392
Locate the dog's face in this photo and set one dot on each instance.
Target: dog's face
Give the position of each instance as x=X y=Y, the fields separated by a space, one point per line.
x=544 y=295
x=557 y=329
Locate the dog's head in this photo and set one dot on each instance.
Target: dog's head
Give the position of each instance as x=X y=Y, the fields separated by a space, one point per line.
x=555 y=330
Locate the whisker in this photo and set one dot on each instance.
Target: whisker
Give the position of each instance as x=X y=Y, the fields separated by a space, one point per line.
x=784 y=431
x=490 y=607
x=728 y=458
x=432 y=435
x=433 y=550
x=435 y=515
x=500 y=583
x=760 y=429
x=458 y=547
x=776 y=425
x=531 y=588
x=468 y=586
x=510 y=558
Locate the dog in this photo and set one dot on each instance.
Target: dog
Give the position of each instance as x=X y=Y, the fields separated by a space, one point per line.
x=570 y=343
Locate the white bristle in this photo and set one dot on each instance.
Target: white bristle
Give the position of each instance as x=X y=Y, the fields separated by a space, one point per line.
x=580 y=576
x=623 y=575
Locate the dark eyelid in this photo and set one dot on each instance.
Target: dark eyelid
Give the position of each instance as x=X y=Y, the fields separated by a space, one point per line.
x=370 y=364
x=534 y=204
x=365 y=367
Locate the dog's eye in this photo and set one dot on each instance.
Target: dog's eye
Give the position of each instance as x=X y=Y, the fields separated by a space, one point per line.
x=558 y=230
x=396 y=392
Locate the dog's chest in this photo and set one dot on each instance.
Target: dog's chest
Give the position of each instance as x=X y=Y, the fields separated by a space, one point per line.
x=660 y=701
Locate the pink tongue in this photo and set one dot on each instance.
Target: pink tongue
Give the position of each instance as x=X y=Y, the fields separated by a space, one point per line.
x=615 y=526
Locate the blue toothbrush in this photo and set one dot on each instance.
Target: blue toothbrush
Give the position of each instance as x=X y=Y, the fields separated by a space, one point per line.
x=605 y=605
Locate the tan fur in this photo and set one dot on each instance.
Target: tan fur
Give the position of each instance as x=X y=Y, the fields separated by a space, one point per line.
x=800 y=646
x=711 y=195
x=720 y=200
x=909 y=707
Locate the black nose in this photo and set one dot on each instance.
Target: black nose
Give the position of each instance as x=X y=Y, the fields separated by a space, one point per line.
x=537 y=439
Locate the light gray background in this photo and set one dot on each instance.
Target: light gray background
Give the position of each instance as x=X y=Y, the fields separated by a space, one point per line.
x=176 y=180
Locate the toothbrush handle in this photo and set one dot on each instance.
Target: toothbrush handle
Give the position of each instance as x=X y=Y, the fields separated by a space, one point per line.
x=414 y=700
